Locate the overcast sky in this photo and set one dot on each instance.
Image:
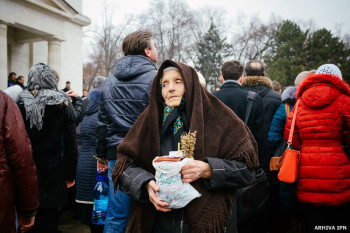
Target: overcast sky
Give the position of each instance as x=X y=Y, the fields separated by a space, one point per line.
x=325 y=13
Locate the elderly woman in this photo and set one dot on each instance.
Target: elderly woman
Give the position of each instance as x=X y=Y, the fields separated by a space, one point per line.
x=323 y=185
x=51 y=129
x=225 y=152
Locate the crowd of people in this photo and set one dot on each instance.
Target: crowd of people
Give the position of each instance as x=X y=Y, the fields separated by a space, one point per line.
x=140 y=112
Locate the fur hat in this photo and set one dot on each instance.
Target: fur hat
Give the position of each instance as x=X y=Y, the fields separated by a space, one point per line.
x=301 y=76
x=330 y=69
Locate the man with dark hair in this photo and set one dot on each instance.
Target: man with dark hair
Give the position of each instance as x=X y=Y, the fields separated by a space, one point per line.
x=125 y=94
x=234 y=97
x=67 y=88
x=11 y=79
x=256 y=81
x=20 y=81
x=232 y=94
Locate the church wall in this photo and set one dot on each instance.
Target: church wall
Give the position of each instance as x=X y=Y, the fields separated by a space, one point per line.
x=27 y=22
x=40 y=52
x=33 y=17
x=72 y=57
x=20 y=59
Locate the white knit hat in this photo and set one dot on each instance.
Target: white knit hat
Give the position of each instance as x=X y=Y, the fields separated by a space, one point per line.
x=329 y=69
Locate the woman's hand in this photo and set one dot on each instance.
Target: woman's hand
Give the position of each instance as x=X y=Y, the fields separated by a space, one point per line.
x=152 y=188
x=70 y=183
x=72 y=93
x=25 y=223
x=102 y=165
x=195 y=170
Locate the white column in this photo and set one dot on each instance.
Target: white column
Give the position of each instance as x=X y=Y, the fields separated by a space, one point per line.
x=54 y=55
x=3 y=56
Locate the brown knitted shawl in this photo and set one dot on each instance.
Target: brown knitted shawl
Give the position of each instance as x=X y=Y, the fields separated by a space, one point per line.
x=220 y=134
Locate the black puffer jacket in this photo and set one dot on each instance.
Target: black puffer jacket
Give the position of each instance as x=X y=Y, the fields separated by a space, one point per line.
x=125 y=94
x=54 y=152
x=270 y=98
x=86 y=170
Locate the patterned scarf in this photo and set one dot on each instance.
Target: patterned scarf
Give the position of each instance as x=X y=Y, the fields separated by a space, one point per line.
x=41 y=91
x=175 y=122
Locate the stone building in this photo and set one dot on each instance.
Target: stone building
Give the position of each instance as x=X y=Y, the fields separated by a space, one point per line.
x=48 y=31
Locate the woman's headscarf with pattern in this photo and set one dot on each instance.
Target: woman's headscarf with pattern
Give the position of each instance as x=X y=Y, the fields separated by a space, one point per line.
x=41 y=91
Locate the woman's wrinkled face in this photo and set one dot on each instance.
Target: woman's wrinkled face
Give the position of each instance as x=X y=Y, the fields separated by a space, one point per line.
x=173 y=88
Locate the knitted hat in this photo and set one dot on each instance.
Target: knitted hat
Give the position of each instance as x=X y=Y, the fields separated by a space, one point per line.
x=329 y=69
x=300 y=77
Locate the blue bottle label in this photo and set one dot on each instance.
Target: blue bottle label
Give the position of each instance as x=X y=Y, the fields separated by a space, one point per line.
x=100 y=204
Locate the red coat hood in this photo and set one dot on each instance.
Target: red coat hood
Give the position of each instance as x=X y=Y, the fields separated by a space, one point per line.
x=319 y=90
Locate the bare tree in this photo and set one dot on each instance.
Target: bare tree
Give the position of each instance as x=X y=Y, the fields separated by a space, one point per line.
x=253 y=37
x=90 y=71
x=106 y=46
x=172 y=24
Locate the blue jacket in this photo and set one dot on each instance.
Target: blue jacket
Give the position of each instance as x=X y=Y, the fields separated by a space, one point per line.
x=125 y=94
x=279 y=120
x=86 y=170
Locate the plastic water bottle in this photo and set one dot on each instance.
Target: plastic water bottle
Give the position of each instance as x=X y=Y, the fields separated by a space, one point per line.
x=100 y=200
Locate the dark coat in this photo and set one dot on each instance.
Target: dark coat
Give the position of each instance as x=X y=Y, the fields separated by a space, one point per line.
x=18 y=177
x=125 y=94
x=55 y=153
x=324 y=168
x=270 y=98
x=75 y=104
x=86 y=170
x=234 y=97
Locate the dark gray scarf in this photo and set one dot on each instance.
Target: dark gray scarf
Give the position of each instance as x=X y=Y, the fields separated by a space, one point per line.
x=41 y=91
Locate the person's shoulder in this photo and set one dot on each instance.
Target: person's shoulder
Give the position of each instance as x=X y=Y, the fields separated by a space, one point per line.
x=3 y=97
x=274 y=94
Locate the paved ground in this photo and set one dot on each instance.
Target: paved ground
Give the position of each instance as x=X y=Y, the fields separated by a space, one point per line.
x=67 y=223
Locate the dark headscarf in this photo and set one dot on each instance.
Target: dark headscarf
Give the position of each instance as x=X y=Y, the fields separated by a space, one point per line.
x=220 y=134
x=41 y=91
x=175 y=123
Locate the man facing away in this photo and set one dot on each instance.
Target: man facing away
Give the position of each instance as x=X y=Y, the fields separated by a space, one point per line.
x=235 y=97
x=125 y=94
x=255 y=80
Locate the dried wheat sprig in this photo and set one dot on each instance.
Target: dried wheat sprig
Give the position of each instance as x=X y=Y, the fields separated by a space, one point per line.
x=188 y=141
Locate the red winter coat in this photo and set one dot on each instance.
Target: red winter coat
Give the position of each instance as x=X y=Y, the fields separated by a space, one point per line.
x=324 y=171
x=18 y=178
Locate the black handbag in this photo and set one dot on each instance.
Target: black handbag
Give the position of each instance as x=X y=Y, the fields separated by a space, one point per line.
x=251 y=199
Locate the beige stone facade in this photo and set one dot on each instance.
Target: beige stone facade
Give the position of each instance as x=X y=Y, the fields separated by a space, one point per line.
x=47 y=31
